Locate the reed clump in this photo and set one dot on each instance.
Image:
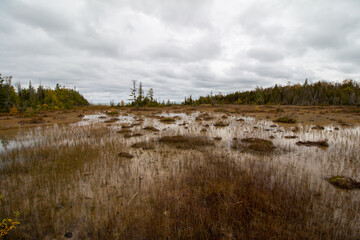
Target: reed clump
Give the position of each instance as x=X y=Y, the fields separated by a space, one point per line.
x=286 y=119
x=254 y=145
x=186 y=142
x=313 y=143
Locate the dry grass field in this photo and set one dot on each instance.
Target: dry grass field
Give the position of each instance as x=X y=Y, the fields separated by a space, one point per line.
x=176 y=173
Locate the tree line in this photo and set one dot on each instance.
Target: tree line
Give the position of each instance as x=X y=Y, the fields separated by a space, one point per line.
x=138 y=98
x=319 y=93
x=17 y=98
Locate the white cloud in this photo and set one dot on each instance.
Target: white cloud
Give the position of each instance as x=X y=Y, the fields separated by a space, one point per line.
x=177 y=47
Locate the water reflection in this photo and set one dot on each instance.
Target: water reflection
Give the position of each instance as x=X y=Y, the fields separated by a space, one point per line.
x=341 y=157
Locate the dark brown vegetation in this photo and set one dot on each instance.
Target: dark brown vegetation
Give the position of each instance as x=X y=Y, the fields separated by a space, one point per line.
x=167 y=120
x=318 y=128
x=150 y=128
x=221 y=124
x=344 y=182
x=285 y=119
x=186 y=142
x=313 y=144
x=133 y=135
x=125 y=155
x=205 y=117
x=124 y=131
x=112 y=120
x=254 y=145
x=144 y=145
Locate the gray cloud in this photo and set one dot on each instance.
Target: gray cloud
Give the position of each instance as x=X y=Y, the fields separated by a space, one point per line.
x=179 y=48
x=266 y=54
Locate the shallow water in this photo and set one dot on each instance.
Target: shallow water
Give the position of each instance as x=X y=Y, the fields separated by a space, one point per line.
x=342 y=157
x=289 y=163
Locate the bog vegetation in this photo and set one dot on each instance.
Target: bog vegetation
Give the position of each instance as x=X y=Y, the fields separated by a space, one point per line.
x=243 y=180
x=183 y=172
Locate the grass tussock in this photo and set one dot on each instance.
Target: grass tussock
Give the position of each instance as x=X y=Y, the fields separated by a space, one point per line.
x=221 y=124
x=344 y=182
x=286 y=119
x=167 y=120
x=313 y=144
x=151 y=128
x=125 y=155
x=124 y=131
x=143 y=145
x=253 y=145
x=186 y=142
x=112 y=120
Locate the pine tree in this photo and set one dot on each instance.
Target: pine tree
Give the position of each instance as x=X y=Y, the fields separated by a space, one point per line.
x=150 y=94
x=140 y=93
x=133 y=92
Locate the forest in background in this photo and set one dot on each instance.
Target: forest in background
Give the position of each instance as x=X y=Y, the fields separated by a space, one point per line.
x=319 y=93
x=30 y=99
x=19 y=99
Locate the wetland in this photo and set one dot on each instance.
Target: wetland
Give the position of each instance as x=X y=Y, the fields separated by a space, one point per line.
x=177 y=173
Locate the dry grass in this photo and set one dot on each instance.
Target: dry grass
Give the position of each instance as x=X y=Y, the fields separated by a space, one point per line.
x=221 y=124
x=313 y=143
x=78 y=180
x=143 y=145
x=150 y=128
x=124 y=131
x=254 y=145
x=167 y=120
x=34 y=120
x=285 y=119
x=186 y=142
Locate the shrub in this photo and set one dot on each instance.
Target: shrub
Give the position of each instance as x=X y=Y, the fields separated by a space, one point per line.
x=8 y=224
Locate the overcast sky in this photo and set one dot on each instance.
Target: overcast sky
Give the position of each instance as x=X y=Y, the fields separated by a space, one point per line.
x=178 y=47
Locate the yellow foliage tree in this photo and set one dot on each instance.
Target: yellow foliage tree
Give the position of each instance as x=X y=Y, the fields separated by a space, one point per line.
x=14 y=111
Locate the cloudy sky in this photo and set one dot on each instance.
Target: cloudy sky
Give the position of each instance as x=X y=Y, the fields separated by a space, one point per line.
x=177 y=47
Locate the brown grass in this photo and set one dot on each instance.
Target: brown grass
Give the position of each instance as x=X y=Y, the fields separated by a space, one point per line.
x=167 y=120
x=125 y=155
x=311 y=143
x=216 y=199
x=34 y=120
x=186 y=142
x=285 y=119
x=221 y=124
x=253 y=145
x=124 y=131
x=150 y=128
x=144 y=145
x=187 y=187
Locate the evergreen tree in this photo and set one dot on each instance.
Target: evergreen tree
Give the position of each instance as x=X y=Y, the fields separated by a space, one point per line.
x=140 y=93
x=133 y=92
x=150 y=95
